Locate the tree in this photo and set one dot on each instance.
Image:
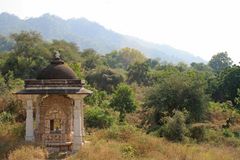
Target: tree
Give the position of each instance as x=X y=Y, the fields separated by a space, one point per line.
x=76 y=67
x=5 y=44
x=229 y=82
x=123 y=101
x=220 y=61
x=105 y=79
x=179 y=91
x=237 y=99
x=91 y=60
x=30 y=55
x=69 y=51
x=200 y=66
x=153 y=63
x=124 y=58
x=175 y=127
x=138 y=73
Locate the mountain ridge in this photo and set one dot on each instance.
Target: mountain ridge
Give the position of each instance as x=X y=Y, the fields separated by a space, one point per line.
x=87 y=34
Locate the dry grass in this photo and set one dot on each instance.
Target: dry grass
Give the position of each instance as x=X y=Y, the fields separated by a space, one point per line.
x=28 y=153
x=127 y=143
x=10 y=138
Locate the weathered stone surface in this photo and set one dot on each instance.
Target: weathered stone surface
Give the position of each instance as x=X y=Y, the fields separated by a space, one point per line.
x=55 y=107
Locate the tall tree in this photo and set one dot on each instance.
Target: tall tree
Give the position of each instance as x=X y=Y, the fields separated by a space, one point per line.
x=105 y=79
x=91 y=60
x=179 y=91
x=220 y=61
x=229 y=83
x=30 y=55
x=138 y=73
x=123 y=101
x=124 y=58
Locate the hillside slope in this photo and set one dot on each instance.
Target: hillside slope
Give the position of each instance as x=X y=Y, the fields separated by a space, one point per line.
x=87 y=34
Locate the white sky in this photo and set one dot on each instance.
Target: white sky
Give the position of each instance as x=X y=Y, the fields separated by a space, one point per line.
x=202 y=27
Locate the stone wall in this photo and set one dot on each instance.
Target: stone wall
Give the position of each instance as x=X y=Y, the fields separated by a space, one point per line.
x=58 y=107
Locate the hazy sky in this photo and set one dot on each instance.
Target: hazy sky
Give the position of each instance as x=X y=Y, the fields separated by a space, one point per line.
x=202 y=27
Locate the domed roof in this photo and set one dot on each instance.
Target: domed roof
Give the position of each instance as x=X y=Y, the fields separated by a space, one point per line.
x=57 y=70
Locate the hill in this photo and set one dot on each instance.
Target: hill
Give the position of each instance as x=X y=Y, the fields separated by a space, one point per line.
x=87 y=34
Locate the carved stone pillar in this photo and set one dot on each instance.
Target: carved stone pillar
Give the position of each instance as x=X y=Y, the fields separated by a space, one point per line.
x=77 y=125
x=29 y=135
x=82 y=120
x=37 y=115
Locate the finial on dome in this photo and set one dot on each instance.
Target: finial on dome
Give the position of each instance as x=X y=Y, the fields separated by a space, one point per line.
x=57 y=58
x=57 y=55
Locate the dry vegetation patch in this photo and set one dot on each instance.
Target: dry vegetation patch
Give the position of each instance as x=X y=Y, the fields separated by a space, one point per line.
x=28 y=153
x=128 y=143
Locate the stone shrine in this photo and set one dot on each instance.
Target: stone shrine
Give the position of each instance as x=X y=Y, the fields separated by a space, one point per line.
x=54 y=107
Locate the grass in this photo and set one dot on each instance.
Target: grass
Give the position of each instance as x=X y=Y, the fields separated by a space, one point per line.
x=126 y=142
x=11 y=136
x=28 y=153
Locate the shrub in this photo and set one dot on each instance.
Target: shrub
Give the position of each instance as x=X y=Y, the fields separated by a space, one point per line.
x=123 y=101
x=179 y=91
x=28 y=153
x=120 y=133
x=6 y=117
x=128 y=151
x=96 y=117
x=228 y=133
x=175 y=128
x=198 y=132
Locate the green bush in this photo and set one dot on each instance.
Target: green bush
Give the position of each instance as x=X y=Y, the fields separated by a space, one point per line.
x=96 y=117
x=6 y=117
x=198 y=133
x=228 y=133
x=128 y=151
x=175 y=128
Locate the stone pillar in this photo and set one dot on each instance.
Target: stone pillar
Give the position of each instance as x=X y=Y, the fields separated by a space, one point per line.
x=29 y=135
x=77 y=125
x=37 y=115
x=82 y=121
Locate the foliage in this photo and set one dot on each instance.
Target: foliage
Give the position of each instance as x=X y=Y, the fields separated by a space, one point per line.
x=29 y=57
x=11 y=135
x=69 y=51
x=120 y=132
x=220 y=61
x=237 y=99
x=200 y=66
x=123 y=101
x=97 y=98
x=198 y=132
x=138 y=72
x=8 y=83
x=229 y=83
x=6 y=117
x=228 y=133
x=96 y=117
x=5 y=44
x=91 y=60
x=153 y=63
x=175 y=128
x=76 y=67
x=178 y=92
x=124 y=58
x=31 y=54
x=105 y=79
